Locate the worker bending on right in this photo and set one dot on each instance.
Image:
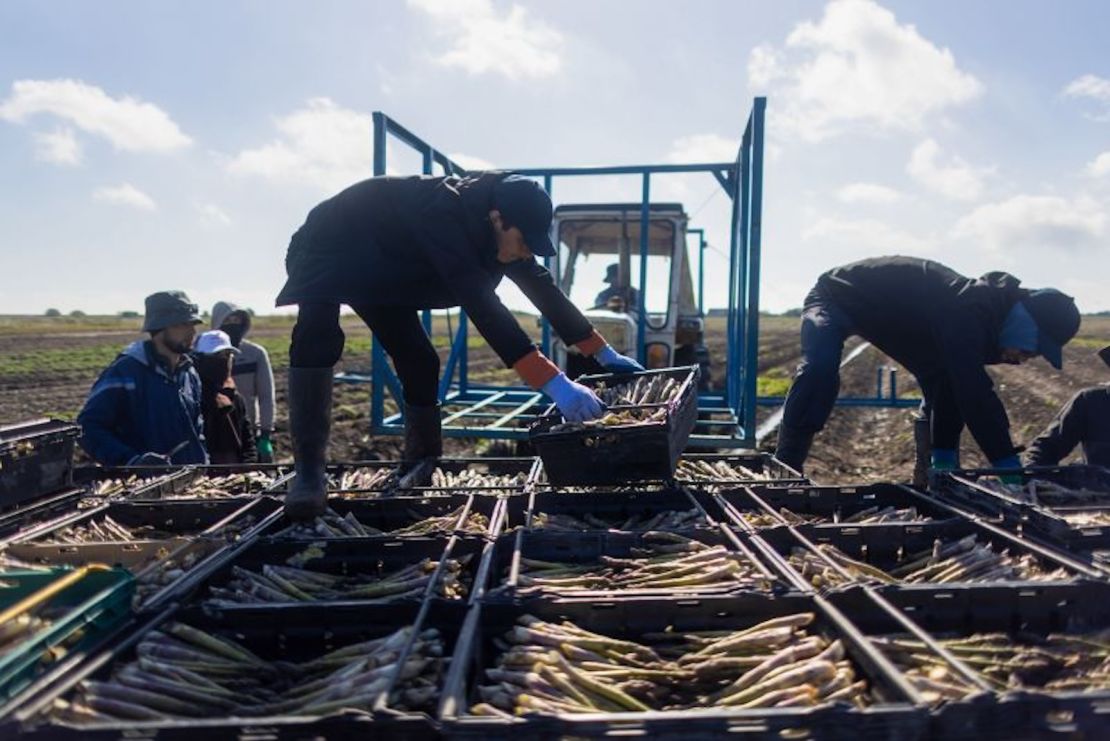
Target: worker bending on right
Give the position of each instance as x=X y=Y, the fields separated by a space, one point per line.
x=944 y=328
x=1084 y=420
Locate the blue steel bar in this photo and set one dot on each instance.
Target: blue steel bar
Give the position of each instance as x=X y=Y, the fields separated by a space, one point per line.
x=545 y=340
x=879 y=381
x=377 y=354
x=645 y=229
x=625 y=169
x=893 y=383
x=754 y=250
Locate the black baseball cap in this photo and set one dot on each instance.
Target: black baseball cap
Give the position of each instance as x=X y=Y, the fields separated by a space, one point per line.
x=524 y=203
x=1057 y=321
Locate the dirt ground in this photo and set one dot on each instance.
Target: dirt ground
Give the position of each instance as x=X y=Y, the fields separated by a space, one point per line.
x=47 y=369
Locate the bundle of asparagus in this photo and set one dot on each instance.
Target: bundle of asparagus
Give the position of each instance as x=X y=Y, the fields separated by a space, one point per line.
x=879 y=515
x=1046 y=493
x=183 y=672
x=666 y=520
x=667 y=561
x=561 y=668
x=471 y=479
x=926 y=671
x=1054 y=662
x=765 y=519
x=963 y=560
x=167 y=572
x=640 y=402
x=331 y=525
x=702 y=470
x=105 y=529
x=1087 y=519
x=20 y=628
x=294 y=583
x=366 y=478
x=112 y=487
x=223 y=487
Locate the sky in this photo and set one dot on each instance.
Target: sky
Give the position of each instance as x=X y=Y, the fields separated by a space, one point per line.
x=155 y=145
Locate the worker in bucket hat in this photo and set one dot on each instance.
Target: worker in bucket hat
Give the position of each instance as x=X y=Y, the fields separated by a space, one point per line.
x=389 y=247
x=145 y=408
x=944 y=328
x=1083 y=421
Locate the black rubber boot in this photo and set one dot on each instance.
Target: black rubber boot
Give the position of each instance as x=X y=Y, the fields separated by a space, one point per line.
x=793 y=447
x=310 y=423
x=423 y=445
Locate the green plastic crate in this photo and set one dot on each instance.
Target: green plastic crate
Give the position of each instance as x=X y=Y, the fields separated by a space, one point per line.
x=91 y=609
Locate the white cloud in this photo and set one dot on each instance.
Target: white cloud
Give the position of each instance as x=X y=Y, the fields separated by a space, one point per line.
x=470 y=162
x=867 y=193
x=212 y=215
x=867 y=235
x=857 y=65
x=1099 y=166
x=321 y=144
x=59 y=147
x=1089 y=86
x=1039 y=222
x=954 y=179
x=703 y=148
x=128 y=123
x=485 y=39
x=125 y=194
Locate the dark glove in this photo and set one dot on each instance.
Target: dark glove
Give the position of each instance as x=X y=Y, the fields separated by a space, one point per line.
x=575 y=401
x=265 y=449
x=614 y=362
x=150 y=459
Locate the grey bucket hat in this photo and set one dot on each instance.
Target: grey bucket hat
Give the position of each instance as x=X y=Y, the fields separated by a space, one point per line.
x=166 y=308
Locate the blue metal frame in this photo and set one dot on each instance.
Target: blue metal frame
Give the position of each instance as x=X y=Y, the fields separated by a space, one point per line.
x=727 y=417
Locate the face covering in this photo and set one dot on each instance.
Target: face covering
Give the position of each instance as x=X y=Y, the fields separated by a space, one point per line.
x=213 y=372
x=235 y=332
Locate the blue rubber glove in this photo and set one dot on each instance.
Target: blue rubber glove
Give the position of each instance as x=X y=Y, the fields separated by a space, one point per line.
x=575 y=401
x=1010 y=461
x=945 y=460
x=614 y=362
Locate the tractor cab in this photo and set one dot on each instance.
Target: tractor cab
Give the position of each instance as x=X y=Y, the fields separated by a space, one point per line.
x=599 y=266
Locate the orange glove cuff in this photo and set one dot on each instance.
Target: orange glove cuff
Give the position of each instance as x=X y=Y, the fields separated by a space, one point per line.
x=535 y=369
x=591 y=344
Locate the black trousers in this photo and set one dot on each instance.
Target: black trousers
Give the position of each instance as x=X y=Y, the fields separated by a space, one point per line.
x=318 y=343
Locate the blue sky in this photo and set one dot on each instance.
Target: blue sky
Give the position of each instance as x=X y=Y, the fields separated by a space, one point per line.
x=147 y=145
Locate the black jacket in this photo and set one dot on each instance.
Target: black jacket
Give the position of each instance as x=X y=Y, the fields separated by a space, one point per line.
x=424 y=243
x=943 y=327
x=1084 y=420
x=228 y=432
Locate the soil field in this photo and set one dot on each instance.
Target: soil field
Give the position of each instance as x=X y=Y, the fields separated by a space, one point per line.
x=48 y=365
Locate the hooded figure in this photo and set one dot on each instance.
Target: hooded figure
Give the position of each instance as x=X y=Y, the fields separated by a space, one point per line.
x=944 y=328
x=228 y=433
x=391 y=246
x=251 y=371
x=1085 y=421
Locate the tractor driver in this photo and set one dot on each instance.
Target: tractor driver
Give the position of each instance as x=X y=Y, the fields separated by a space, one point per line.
x=944 y=328
x=389 y=247
x=629 y=297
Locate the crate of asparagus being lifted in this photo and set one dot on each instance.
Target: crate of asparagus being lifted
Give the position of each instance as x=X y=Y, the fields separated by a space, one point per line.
x=644 y=429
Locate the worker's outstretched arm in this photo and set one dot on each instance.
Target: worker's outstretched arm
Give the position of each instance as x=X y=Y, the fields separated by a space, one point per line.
x=963 y=347
x=1061 y=436
x=537 y=283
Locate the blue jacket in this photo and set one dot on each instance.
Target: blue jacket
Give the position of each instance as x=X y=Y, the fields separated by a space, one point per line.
x=135 y=407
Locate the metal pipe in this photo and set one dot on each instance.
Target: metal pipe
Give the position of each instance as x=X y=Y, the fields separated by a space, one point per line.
x=645 y=227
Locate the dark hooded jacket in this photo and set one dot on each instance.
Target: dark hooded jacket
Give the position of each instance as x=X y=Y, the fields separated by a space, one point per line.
x=1084 y=420
x=944 y=328
x=228 y=432
x=424 y=243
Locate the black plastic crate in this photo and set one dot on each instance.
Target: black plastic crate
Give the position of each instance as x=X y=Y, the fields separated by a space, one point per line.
x=757 y=507
x=613 y=455
x=893 y=714
x=393 y=513
x=277 y=634
x=346 y=556
x=36 y=458
x=609 y=510
x=223 y=517
x=968 y=488
x=887 y=547
x=1025 y=614
x=589 y=548
x=36 y=514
